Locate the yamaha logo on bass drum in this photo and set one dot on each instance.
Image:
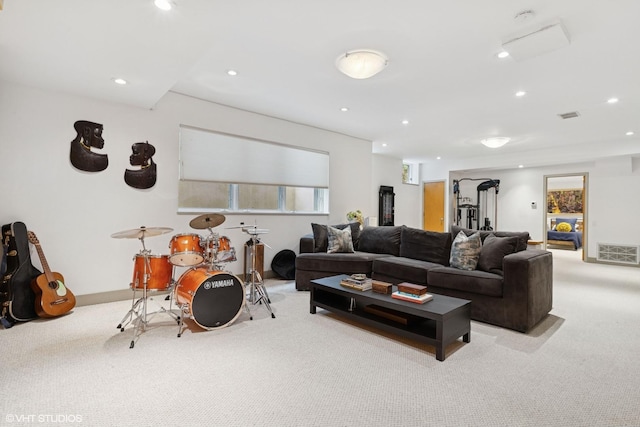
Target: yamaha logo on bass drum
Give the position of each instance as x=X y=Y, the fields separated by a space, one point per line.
x=218 y=284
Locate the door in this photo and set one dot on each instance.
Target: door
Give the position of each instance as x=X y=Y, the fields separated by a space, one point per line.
x=433 y=206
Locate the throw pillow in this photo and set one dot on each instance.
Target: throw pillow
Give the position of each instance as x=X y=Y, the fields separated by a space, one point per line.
x=320 y=235
x=571 y=221
x=494 y=249
x=563 y=227
x=339 y=240
x=465 y=251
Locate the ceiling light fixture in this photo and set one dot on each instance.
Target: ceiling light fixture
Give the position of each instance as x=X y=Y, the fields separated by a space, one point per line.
x=120 y=81
x=344 y=109
x=232 y=72
x=520 y=93
x=504 y=54
x=629 y=133
x=612 y=100
x=362 y=63
x=495 y=142
x=163 y=4
x=405 y=122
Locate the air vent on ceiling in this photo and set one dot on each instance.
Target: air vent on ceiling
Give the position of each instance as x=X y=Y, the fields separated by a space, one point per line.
x=569 y=115
x=625 y=254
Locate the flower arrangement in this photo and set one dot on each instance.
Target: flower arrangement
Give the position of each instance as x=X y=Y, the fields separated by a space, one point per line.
x=356 y=216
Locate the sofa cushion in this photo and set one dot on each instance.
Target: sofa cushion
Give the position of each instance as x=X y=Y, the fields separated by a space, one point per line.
x=476 y=281
x=339 y=240
x=338 y=263
x=425 y=245
x=321 y=235
x=381 y=240
x=404 y=269
x=465 y=251
x=523 y=236
x=493 y=251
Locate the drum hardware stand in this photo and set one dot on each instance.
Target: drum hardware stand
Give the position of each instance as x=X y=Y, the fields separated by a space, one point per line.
x=139 y=307
x=257 y=290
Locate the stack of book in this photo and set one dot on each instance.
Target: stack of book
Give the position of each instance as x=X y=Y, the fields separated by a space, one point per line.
x=357 y=284
x=411 y=292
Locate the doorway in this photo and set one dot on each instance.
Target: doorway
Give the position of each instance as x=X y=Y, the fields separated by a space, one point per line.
x=566 y=201
x=433 y=206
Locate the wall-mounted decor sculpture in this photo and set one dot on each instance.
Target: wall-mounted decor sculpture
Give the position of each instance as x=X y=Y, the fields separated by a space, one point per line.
x=89 y=135
x=145 y=177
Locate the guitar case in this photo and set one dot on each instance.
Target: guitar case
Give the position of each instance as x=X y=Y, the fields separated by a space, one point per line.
x=16 y=296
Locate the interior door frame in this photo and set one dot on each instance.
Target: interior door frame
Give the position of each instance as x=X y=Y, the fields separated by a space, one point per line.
x=585 y=208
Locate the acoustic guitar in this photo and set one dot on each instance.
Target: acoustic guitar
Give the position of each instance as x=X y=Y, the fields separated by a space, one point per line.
x=53 y=298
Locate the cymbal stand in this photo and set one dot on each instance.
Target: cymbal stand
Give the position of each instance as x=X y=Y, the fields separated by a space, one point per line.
x=257 y=290
x=139 y=307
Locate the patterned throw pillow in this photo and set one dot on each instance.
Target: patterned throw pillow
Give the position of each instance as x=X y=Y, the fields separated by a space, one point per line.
x=563 y=227
x=465 y=251
x=339 y=240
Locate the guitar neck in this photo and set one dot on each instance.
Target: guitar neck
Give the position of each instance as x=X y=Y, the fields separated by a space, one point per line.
x=45 y=265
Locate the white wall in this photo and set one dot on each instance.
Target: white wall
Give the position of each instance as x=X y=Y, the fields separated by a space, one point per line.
x=74 y=213
x=408 y=198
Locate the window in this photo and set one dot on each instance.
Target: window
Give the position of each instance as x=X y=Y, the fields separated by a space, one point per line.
x=228 y=173
x=410 y=173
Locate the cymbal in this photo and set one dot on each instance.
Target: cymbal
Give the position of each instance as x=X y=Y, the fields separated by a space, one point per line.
x=137 y=233
x=207 y=221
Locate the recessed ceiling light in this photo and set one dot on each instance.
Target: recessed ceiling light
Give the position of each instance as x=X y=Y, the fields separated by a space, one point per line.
x=495 y=142
x=520 y=166
x=232 y=72
x=384 y=144
x=612 y=100
x=120 y=81
x=629 y=133
x=438 y=158
x=521 y=93
x=503 y=54
x=405 y=122
x=163 y=4
x=344 y=109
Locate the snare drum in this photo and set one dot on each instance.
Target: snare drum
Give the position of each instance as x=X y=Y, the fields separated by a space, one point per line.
x=158 y=271
x=225 y=252
x=186 y=250
x=214 y=298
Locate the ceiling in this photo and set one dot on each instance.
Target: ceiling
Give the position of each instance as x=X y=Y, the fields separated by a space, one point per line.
x=443 y=75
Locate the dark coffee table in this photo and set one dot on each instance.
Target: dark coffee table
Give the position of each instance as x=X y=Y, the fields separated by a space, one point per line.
x=438 y=322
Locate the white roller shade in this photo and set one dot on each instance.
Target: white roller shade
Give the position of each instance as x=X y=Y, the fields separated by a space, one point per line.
x=213 y=156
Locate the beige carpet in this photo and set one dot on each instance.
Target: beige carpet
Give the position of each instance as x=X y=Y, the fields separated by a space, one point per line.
x=579 y=367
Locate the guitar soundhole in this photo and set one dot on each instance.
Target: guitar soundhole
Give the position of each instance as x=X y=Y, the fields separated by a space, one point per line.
x=53 y=285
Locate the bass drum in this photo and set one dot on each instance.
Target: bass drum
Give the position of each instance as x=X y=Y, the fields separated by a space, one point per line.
x=214 y=298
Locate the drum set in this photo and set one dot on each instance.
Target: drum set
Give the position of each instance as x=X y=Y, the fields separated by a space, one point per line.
x=206 y=293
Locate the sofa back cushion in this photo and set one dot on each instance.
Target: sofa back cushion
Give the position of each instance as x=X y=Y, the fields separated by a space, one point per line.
x=425 y=245
x=493 y=251
x=381 y=240
x=522 y=236
x=465 y=251
x=321 y=236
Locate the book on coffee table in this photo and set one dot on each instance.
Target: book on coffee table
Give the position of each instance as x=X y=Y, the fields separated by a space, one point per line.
x=412 y=298
x=359 y=285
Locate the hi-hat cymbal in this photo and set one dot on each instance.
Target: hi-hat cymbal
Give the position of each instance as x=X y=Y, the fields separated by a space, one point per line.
x=137 y=233
x=207 y=221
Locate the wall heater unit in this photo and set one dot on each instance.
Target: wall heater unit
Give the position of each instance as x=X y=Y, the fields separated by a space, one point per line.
x=623 y=254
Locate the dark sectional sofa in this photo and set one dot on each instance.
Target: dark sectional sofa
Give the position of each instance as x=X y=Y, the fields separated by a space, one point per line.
x=511 y=287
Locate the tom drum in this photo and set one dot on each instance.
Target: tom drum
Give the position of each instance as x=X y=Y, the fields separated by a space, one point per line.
x=214 y=298
x=186 y=250
x=158 y=271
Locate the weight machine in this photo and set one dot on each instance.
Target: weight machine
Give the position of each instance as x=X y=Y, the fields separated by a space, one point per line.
x=473 y=212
